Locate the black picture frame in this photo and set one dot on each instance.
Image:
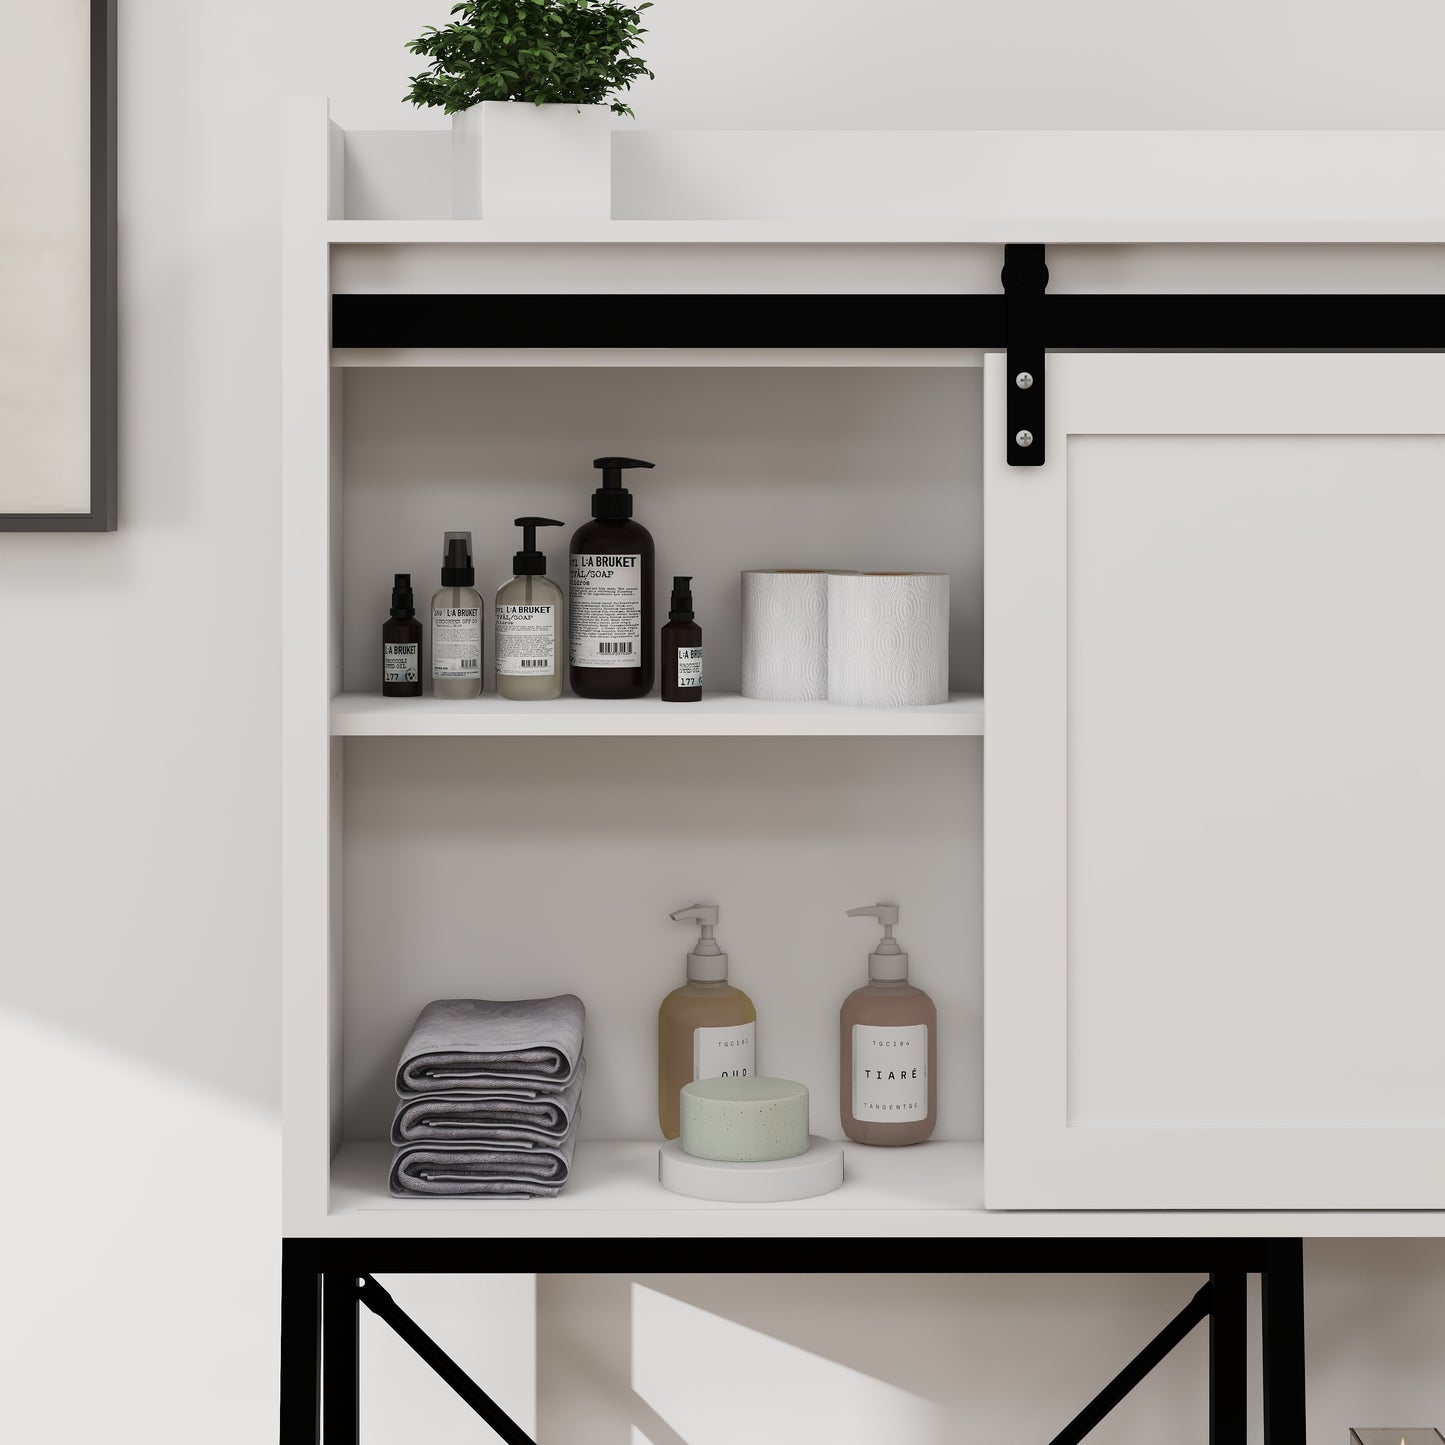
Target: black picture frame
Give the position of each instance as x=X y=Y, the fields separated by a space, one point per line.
x=101 y=517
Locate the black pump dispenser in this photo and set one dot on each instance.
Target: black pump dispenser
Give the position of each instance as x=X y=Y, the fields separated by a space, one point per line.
x=612 y=587
x=612 y=500
x=529 y=562
x=403 y=604
x=681 y=608
x=457 y=569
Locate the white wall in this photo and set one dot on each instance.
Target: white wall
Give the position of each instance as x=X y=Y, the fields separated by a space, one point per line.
x=711 y=1359
x=138 y=869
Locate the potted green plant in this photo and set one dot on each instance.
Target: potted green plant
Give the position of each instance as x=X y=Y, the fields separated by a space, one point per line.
x=529 y=85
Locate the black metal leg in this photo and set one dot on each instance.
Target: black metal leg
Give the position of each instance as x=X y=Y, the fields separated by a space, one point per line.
x=1282 y=1312
x=300 y=1343
x=340 y=1351
x=1229 y=1359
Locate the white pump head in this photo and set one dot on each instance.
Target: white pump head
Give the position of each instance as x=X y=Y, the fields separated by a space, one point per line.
x=887 y=963
x=707 y=963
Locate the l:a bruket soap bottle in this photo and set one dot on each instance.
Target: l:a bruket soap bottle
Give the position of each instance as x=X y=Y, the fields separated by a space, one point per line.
x=681 y=647
x=456 y=623
x=888 y=1048
x=528 y=617
x=401 y=642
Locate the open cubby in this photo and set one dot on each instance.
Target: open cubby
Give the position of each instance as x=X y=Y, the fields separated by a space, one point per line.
x=476 y=862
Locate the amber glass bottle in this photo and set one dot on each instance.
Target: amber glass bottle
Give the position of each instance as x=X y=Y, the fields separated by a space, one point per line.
x=681 y=647
x=707 y=1029
x=401 y=642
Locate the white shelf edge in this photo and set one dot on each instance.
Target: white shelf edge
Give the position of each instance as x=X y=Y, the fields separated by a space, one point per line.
x=931 y=1190
x=718 y=715
x=613 y=357
x=1122 y=230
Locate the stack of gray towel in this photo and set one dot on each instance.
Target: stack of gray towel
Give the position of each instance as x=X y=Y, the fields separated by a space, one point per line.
x=487 y=1098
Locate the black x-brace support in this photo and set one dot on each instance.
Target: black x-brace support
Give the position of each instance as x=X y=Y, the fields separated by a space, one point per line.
x=326 y=1281
x=381 y=1304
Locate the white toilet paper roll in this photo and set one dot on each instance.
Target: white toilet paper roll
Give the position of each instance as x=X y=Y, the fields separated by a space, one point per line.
x=785 y=636
x=888 y=638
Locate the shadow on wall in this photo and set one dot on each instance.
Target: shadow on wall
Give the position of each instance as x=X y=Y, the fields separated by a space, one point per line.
x=701 y=1379
x=711 y=1359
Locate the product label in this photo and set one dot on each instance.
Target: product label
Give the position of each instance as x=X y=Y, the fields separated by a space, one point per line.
x=607 y=609
x=689 y=667
x=890 y=1073
x=399 y=662
x=725 y=1053
x=525 y=634
x=456 y=642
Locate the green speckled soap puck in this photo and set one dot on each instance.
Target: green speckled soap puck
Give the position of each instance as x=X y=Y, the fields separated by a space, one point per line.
x=744 y=1121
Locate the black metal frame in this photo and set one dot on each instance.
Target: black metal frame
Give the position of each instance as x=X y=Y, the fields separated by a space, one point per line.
x=101 y=516
x=1026 y=321
x=325 y=1283
x=1156 y=322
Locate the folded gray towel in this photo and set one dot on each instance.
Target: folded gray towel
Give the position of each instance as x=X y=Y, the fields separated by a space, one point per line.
x=489 y=1172
x=493 y=1116
x=467 y=1043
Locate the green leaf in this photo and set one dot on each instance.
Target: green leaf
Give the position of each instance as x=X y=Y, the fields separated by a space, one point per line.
x=570 y=52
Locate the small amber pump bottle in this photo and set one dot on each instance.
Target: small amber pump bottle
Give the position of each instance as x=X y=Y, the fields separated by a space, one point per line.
x=707 y=1029
x=681 y=647
x=888 y=1047
x=401 y=642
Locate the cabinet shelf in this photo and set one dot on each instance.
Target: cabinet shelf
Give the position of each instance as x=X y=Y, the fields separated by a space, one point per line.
x=881 y=1188
x=933 y=1189
x=719 y=715
x=634 y=357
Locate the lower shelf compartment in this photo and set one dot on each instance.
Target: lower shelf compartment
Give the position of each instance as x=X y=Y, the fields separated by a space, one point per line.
x=620 y=1179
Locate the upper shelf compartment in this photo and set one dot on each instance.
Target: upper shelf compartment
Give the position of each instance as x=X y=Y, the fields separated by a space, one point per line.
x=389 y=184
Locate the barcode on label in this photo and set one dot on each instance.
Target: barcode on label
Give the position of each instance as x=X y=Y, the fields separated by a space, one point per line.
x=609 y=648
x=535 y=661
x=468 y=662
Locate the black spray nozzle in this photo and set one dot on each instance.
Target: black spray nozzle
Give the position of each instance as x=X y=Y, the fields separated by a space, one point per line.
x=681 y=597
x=612 y=499
x=403 y=604
x=457 y=569
x=529 y=562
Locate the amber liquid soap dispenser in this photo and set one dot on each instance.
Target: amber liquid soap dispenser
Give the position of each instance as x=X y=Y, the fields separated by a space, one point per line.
x=707 y=1029
x=614 y=645
x=888 y=1047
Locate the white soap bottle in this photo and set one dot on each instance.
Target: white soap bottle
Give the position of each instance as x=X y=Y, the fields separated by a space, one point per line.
x=528 y=619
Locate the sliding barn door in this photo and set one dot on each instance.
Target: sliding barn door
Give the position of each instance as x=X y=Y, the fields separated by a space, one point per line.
x=1216 y=786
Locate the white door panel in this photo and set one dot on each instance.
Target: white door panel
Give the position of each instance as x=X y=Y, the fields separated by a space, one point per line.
x=1216 y=786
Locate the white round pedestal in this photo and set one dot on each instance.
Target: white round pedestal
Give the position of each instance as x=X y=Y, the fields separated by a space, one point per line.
x=817 y=1171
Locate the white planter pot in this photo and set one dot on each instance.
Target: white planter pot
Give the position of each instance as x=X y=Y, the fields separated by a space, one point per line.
x=514 y=161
